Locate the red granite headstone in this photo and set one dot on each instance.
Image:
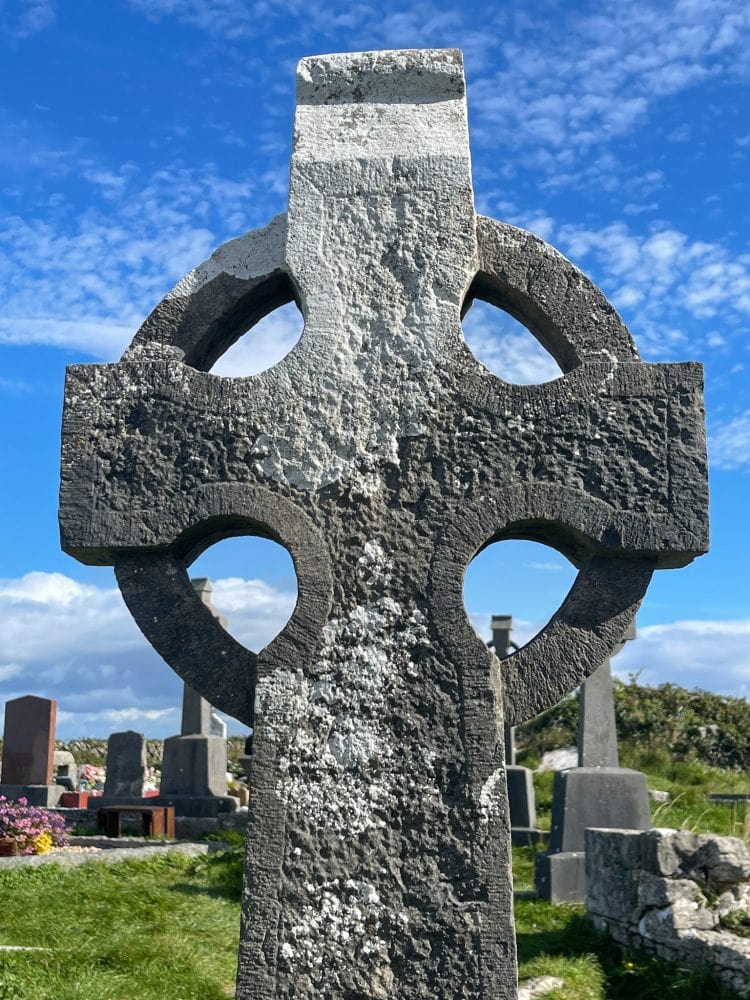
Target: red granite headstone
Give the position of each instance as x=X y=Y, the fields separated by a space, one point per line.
x=29 y=741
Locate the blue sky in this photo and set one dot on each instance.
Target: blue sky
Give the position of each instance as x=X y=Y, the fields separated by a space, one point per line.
x=137 y=135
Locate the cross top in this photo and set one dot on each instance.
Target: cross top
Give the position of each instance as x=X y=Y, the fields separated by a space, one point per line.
x=383 y=455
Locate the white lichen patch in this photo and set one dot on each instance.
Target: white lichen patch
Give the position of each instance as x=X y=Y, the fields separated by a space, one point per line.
x=373 y=568
x=492 y=797
x=340 y=767
x=338 y=762
x=338 y=919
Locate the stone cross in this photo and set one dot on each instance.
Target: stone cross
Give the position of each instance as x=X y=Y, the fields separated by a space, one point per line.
x=384 y=456
x=597 y=729
x=197 y=711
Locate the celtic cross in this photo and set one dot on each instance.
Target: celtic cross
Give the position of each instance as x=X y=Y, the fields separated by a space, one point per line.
x=384 y=456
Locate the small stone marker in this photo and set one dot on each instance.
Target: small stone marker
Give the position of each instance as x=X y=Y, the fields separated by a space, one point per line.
x=502 y=626
x=28 y=751
x=126 y=767
x=521 y=795
x=383 y=456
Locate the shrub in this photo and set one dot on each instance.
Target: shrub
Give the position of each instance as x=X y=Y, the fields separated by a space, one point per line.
x=35 y=830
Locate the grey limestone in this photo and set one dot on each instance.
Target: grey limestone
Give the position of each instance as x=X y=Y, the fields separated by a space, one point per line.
x=194 y=764
x=586 y=797
x=674 y=893
x=521 y=798
x=383 y=455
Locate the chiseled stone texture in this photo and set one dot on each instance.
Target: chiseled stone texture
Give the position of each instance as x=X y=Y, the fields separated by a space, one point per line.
x=674 y=893
x=383 y=456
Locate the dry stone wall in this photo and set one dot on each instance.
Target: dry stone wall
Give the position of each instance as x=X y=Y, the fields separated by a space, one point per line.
x=680 y=895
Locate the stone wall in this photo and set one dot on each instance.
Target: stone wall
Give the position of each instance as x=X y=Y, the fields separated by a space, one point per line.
x=680 y=895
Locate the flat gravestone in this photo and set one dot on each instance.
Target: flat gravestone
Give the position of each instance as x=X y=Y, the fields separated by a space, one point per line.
x=29 y=741
x=383 y=456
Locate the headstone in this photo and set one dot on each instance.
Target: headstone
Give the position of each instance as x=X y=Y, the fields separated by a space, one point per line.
x=521 y=796
x=28 y=751
x=597 y=731
x=383 y=456
x=597 y=793
x=194 y=764
x=126 y=767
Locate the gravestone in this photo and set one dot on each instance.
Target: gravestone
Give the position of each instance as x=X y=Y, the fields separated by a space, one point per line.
x=28 y=751
x=194 y=764
x=383 y=456
x=598 y=793
x=521 y=796
x=126 y=768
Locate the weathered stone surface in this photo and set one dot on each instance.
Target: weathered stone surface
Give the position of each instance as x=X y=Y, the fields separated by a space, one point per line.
x=673 y=893
x=596 y=796
x=383 y=456
x=521 y=797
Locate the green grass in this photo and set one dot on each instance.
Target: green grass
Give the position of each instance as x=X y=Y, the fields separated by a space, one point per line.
x=160 y=929
x=167 y=928
x=559 y=941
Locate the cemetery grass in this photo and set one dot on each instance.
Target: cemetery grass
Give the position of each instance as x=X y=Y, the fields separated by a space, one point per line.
x=559 y=941
x=160 y=928
x=167 y=928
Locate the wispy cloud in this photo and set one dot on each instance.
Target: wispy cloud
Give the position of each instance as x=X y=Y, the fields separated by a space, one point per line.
x=506 y=348
x=20 y=19
x=729 y=444
x=86 y=280
x=568 y=87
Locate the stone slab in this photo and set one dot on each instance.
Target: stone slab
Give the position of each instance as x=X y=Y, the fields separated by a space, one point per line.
x=521 y=796
x=126 y=766
x=194 y=766
x=199 y=805
x=525 y=836
x=28 y=741
x=596 y=797
x=561 y=876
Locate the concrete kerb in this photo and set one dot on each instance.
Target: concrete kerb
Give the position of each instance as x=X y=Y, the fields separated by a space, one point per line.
x=128 y=849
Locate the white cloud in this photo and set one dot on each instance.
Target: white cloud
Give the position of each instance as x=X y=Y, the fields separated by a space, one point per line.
x=76 y=642
x=85 y=281
x=663 y=282
x=24 y=18
x=579 y=80
x=729 y=443
x=266 y=344
x=714 y=655
x=505 y=347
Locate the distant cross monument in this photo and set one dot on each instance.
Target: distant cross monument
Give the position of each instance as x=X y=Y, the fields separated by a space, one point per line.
x=383 y=455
